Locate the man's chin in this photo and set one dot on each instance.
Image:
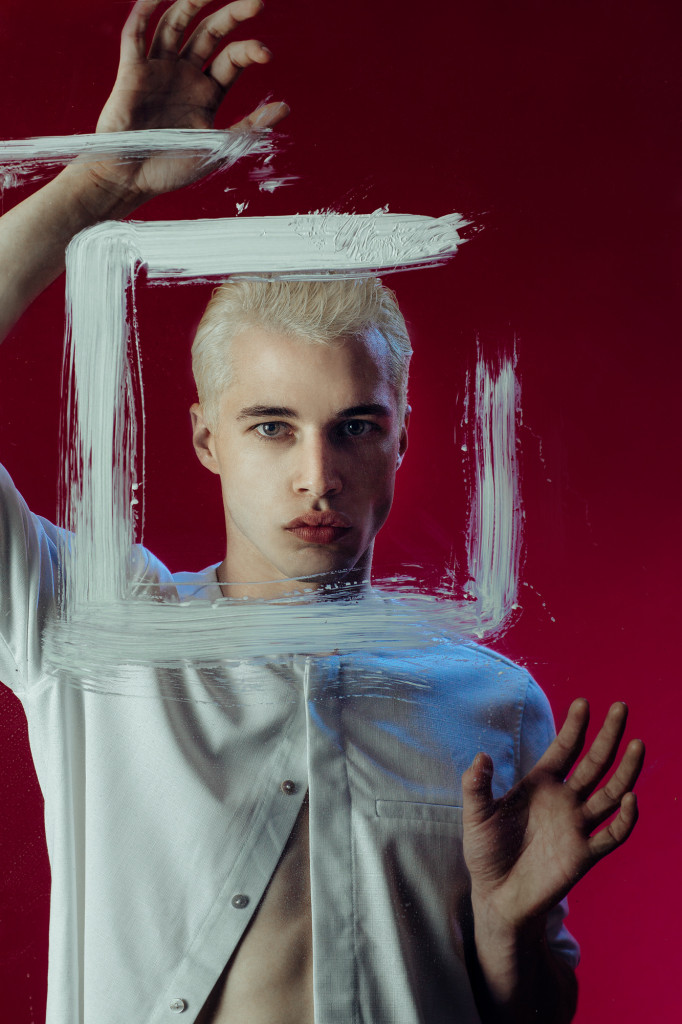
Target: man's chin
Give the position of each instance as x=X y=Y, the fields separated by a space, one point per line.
x=319 y=573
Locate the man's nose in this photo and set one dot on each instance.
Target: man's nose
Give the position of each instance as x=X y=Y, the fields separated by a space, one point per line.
x=317 y=471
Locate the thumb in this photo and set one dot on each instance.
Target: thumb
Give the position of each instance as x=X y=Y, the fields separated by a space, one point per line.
x=265 y=116
x=477 y=788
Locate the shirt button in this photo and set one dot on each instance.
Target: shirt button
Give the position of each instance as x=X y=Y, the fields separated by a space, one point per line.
x=288 y=787
x=240 y=901
x=178 y=1005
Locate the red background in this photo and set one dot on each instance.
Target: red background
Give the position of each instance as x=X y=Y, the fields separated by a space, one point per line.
x=556 y=126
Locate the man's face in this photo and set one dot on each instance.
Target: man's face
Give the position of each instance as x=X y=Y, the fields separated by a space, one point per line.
x=306 y=448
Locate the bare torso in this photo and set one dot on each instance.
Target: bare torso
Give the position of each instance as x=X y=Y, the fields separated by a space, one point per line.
x=269 y=978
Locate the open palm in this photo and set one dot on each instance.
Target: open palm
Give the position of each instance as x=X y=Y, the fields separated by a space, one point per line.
x=178 y=81
x=525 y=850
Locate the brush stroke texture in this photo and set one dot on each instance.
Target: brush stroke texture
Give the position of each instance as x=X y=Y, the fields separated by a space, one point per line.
x=108 y=617
x=26 y=160
x=494 y=534
x=104 y=624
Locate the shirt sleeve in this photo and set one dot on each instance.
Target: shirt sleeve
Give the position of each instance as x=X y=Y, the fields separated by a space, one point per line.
x=536 y=733
x=29 y=563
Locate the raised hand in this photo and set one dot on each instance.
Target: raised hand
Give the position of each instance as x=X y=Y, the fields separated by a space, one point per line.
x=177 y=81
x=525 y=850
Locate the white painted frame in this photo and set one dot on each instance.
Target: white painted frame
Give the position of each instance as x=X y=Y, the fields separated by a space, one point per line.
x=102 y=614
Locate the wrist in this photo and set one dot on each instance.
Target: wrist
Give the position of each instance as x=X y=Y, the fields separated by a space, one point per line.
x=97 y=197
x=502 y=936
x=515 y=964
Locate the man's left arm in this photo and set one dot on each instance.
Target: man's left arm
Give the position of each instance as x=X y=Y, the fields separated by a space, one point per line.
x=527 y=849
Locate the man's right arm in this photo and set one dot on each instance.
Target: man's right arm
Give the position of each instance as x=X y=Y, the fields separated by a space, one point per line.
x=171 y=82
x=34 y=236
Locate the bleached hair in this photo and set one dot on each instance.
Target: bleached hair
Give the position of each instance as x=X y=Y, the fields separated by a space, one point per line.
x=317 y=311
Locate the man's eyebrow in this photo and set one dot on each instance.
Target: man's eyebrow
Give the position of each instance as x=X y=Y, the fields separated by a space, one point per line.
x=365 y=410
x=268 y=411
x=284 y=412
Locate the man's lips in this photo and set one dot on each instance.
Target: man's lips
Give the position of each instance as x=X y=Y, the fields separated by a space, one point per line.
x=327 y=518
x=319 y=527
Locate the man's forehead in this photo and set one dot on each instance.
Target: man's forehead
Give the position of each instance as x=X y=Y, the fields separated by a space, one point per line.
x=283 y=361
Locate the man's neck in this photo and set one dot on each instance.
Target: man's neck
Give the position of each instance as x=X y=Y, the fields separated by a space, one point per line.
x=348 y=585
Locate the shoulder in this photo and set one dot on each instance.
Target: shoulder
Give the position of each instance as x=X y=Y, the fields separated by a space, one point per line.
x=31 y=551
x=505 y=693
x=203 y=585
x=19 y=525
x=458 y=688
x=459 y=666
x=150 y=578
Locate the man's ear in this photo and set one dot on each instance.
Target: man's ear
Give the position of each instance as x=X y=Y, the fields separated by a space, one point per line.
x=402 y=443
x=203 y=440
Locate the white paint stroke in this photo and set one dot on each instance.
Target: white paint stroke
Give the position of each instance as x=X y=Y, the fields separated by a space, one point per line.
x=100 y=419
x=149 y=633
x=25 y=160
x=300 y=245
x=105 y=625
x=494 y=535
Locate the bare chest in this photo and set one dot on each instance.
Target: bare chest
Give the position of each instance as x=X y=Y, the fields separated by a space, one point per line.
x=269 y=978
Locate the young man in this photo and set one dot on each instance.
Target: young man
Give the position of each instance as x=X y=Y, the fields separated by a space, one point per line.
x=304 y=838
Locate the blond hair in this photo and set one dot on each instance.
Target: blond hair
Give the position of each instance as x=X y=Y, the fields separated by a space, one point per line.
x=318 y=311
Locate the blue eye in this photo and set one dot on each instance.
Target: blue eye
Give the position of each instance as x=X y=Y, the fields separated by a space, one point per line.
x=272 y=429
x=350 y=429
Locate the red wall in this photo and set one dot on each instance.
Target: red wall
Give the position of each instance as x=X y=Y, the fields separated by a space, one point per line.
x=555 y=126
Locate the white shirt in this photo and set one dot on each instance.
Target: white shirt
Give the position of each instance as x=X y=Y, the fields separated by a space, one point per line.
x=166 y=815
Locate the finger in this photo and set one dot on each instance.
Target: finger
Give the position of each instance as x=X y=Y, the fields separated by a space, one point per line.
x=606 y=800
x=236 y=56
x=172 y=26
x=134 y=32
x=562 y=754
x=615 y=834
x=266 y=116
x=594 y=765
x=208 y=35
x=477 y=789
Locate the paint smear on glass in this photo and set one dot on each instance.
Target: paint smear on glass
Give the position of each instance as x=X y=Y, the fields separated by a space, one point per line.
x=110 y=617
x=27 y=160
